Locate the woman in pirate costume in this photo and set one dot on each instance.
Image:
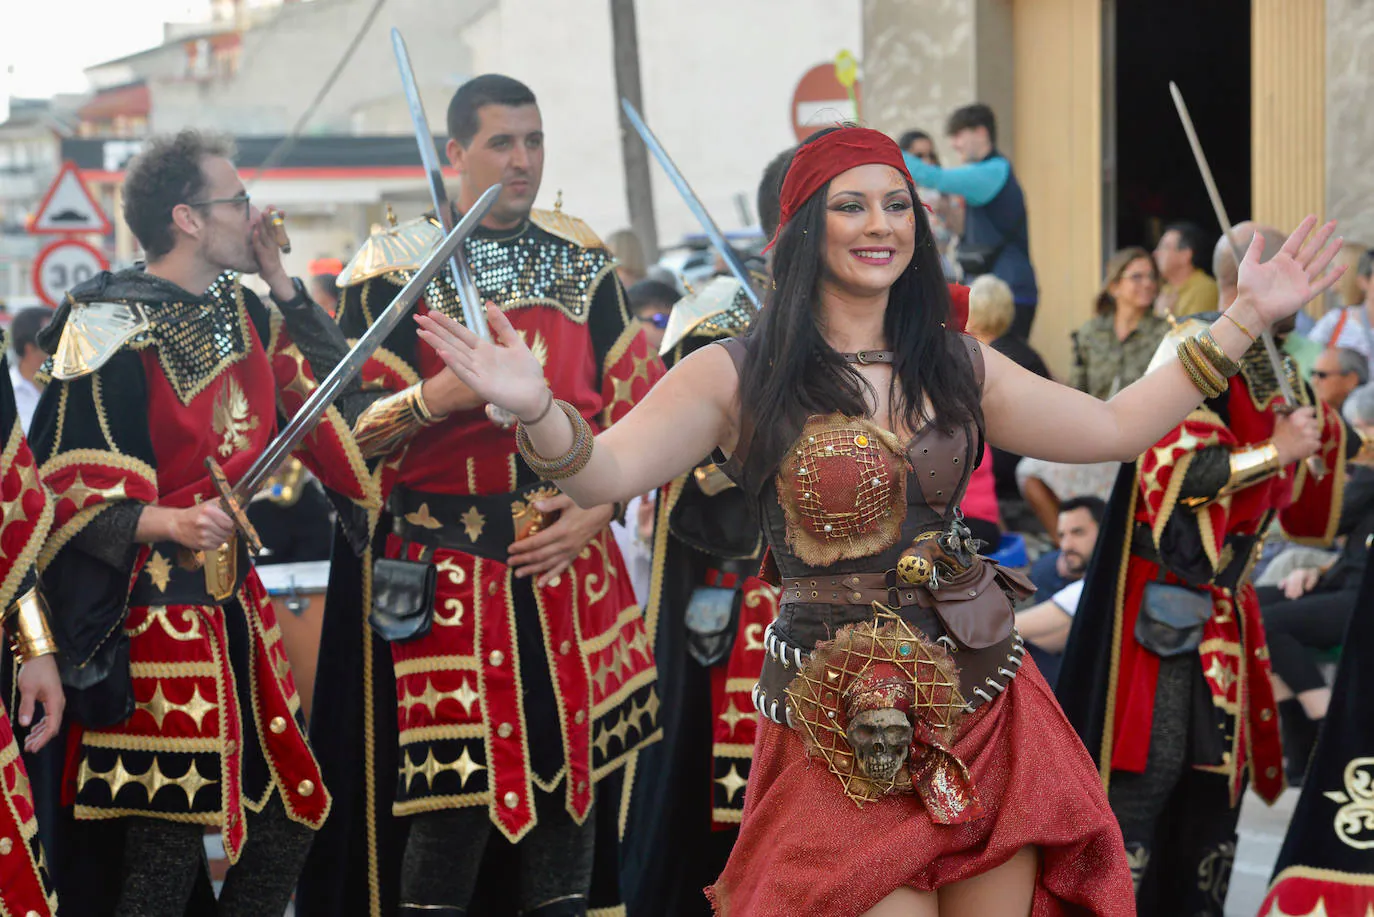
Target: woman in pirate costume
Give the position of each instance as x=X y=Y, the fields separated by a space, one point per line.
x=910 y=762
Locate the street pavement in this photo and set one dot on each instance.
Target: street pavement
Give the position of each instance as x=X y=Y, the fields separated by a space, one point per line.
x=1261 y=835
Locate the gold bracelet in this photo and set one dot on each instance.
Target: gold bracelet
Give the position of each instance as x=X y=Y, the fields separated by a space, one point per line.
x=1215 y=377
x=548 y=406
x=570 y=462
x=391 y=421
x=1205 y=376
x=27 y=620
x=1215 y=355
x=1243 y=330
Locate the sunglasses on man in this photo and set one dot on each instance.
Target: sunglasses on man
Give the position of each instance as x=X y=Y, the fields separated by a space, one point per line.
x=658 y=319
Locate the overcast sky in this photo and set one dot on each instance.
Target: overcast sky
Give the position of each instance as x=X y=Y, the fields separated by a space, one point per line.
x=46 y=44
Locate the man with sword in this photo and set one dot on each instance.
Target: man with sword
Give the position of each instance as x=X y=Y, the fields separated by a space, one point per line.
x=493 y=703
x=183 y=706
x=1167 y=679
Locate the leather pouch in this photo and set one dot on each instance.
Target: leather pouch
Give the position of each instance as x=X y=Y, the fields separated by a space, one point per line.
x=712 y=619
x=1171 y=619
x=402 y=598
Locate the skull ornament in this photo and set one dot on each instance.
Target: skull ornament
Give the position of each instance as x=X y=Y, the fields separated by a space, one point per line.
x=877 y=708
x=881 y=740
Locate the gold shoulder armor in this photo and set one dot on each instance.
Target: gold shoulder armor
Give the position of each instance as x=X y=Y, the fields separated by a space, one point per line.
x=1168 y=348
x=398 y=247
x=720 y=309
x=94 y=332
x=557 y=223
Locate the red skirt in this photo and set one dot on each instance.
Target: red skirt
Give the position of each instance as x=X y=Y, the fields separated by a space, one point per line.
x=805 y=848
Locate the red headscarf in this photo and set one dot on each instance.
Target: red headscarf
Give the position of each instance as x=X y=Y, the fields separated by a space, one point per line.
x=815 y=163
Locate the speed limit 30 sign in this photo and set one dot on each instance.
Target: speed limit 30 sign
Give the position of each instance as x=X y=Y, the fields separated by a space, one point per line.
x=63 y=264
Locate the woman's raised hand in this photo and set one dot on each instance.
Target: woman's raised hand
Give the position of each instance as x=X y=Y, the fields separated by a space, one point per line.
x=502 y=371
x=1293 y=277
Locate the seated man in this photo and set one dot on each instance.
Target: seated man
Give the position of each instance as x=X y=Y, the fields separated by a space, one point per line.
x=1338 y=372
x=1076 y=533
x=1311 y=608
x=1058 y=577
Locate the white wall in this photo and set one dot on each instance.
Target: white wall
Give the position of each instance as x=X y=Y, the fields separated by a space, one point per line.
x=717 y=78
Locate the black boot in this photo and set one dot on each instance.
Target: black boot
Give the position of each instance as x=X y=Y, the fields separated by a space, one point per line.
x=571 y=906
x=429 y=910
x=1299 y=739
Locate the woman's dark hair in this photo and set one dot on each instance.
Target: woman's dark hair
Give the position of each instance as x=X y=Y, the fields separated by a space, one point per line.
x=1115 y=270
x=792 y=373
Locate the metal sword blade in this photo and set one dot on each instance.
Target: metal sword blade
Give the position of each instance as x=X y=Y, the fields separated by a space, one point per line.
x=1270 y=348
x=473 y=315
x=708 y=225
x=351 y=365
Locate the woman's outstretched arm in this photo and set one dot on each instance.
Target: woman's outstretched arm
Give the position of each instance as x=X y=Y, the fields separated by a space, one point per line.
x=1036 y=417
x=691 y=411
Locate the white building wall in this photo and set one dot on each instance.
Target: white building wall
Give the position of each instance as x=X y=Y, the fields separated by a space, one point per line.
x=717 y=79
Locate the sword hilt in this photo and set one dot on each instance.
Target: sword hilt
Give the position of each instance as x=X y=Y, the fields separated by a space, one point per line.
x=1315 y=463
x=235 y=507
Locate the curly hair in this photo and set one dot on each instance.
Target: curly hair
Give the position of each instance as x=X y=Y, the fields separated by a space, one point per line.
x=167 y=172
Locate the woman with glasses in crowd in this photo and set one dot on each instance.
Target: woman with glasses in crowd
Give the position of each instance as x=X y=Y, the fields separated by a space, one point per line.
x=1114 y=348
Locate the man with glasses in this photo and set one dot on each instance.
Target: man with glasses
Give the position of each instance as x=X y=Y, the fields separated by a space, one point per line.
x=1337 y=373
x=185 y=709
x=652 y=301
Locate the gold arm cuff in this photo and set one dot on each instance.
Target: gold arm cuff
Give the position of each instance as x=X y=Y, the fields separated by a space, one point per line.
x=1205 y=376
x=391 y=421
x=1366 y=454
x=27 y=622
x=1215 y=355
x=1250 y=466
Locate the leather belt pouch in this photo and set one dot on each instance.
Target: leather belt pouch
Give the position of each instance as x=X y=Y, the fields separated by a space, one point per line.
x=402 y=598
x=1171 y=619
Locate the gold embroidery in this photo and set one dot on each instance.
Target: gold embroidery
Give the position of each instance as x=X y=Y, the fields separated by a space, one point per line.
x=456 y=574
x=159 y=706
x=431 y=768
x=79 y=492
x=1220 y=674
x=159 y=570
x=158 y=613
x=1354 y=823
x=733 y=783
x=540 y=347
x=473 y=523
x=13 y=510
x=152 y=780
x=732 y=716
x=431 y=697
x=753 y=637
x=232 y=419
x=423 y=518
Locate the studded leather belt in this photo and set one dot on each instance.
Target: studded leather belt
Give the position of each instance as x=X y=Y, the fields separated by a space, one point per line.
x=852 y=589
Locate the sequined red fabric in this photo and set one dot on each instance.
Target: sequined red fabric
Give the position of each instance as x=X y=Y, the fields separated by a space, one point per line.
x=804 y=848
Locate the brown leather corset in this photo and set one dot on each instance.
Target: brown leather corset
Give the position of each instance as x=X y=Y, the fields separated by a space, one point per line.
x=846 y=501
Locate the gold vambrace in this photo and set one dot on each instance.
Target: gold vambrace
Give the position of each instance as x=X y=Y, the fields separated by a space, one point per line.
x=1250 y=466
x=26 y=621
x=392 y=421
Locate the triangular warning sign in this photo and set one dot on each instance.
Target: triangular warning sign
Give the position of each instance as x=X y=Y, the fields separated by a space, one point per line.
x=69 y=206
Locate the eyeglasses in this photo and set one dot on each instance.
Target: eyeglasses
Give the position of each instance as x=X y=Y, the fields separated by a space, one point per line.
x=659 y=320
x=1328 y=373
x=1137 y=278
x=243 y=199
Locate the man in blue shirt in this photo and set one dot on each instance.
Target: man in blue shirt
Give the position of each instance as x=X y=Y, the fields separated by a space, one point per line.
x=996 y=237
